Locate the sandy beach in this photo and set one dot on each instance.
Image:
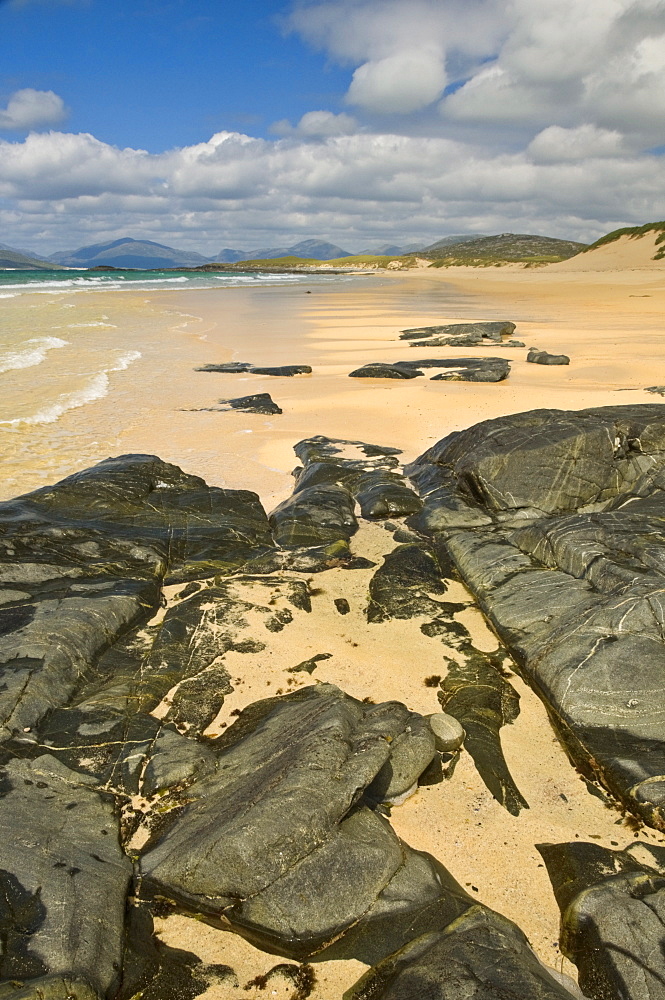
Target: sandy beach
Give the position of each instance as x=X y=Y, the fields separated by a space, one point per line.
x=605 y=313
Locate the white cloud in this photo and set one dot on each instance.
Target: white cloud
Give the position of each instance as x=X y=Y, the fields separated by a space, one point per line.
x=403 y=82
x=317 y=125
x=235 y=190
x=556 y=144
x=28 y=109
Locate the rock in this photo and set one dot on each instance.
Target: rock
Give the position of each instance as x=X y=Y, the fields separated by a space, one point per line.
x=234 y=838
x=459 y=334
x=383 y=494
x=342 y=605
x=612 y=913
x=658 y=390
x=482 y=701
x=243 y=367
x=260 y=402
x=463 y=369
x=448 y=733
x=49 y=646
x=570 y=573
x=130 y=517
x=64 y=882
x=403 y=585
x=379 y=370
x=537 y=357
x=480 y=955
x=317 y=515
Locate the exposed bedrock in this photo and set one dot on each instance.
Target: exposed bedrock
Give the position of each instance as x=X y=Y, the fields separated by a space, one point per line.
x=537 y=357
x=370 y=475
x=458 y=334
x=556 y=521
x=612 y=916
x=244 y=367
x=63 y=881
x=457 y=370
x=260 y=402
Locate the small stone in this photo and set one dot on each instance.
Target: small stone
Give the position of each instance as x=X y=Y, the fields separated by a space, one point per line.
x=448 y=733
x=342 y=605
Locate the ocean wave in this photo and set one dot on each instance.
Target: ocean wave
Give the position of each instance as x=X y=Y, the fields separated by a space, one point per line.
x=33 y=355
x=80 y=326
x=10 y=295
x=97 y=388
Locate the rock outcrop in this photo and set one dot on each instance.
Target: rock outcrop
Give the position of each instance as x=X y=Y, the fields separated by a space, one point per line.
x=459 y=334
x=537 y=357
x=244 y=367
x=260 y=402
x=554 y=521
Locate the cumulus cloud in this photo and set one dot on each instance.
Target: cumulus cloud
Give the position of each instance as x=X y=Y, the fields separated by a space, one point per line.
x=350 y=188
x=556 y=144
x=520 y=64
x=317 y=125
x=28 y=109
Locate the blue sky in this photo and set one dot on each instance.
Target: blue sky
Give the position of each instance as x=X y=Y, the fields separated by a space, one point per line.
x=154 y=74
x=208 y=124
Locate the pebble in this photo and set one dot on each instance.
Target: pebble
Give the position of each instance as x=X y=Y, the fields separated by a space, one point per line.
x=448 y=733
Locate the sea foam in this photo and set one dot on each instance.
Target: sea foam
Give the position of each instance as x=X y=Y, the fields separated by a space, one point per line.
x=33 y=353
x=96 y=388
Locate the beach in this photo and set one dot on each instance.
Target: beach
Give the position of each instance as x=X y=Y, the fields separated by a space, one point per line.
x=119 y=376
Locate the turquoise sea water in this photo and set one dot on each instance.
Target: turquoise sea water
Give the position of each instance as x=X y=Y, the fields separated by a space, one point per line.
x=15 y=282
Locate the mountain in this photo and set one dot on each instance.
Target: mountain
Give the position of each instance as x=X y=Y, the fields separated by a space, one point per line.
x=126 y=252
x=309 y=249
x=12 y=258
x=391 y=250
x=504 y=248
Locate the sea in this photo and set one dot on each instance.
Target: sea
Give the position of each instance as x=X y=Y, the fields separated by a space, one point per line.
x=92 y=361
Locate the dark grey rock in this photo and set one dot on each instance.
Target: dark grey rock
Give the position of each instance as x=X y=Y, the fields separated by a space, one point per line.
x=459 y=334
x=129 y=517
x=64 y=881
x=658 y=390
x=612 y=910
x=349 y=454
x=571 y=573
x=537 y=357
x=403 y=585
x=342 y=605
x=316 y=515
x=244 y=367
x=383 y=494
x=260 y=402
x=480 y=956
x=378 y=369
x=315 y=749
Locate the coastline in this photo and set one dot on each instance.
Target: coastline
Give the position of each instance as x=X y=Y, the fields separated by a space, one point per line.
x=610 y=325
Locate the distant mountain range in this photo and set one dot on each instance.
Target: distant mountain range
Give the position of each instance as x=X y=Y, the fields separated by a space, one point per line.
x=10 y=257
x=145 y=254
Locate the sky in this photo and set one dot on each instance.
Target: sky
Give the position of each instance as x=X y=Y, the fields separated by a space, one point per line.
x=206 y=124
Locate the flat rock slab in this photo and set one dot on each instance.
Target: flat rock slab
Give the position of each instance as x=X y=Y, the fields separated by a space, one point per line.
x=313 y=750
x=459 y=334
x=244 y=367
x=571 y=574
x=380 y=370
x=64 y=877
x=537 y=357
x=260 y=402
x=463 y=369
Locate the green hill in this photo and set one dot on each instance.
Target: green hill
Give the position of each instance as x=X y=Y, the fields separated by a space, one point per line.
x=14 y=259
x=504 y=248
